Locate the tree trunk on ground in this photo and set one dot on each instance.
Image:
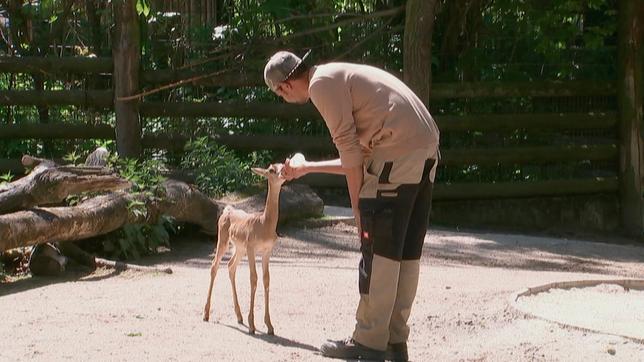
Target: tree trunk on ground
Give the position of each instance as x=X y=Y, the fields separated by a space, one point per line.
x=50 y=184
x=105 y=213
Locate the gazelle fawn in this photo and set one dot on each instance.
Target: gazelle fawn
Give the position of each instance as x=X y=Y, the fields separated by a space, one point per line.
x=250 y=234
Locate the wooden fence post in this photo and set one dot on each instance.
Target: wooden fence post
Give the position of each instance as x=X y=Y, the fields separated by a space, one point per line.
x=630 y=90
x=126 y=54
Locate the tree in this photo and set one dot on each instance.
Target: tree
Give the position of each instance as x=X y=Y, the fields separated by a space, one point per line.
x=419 y=27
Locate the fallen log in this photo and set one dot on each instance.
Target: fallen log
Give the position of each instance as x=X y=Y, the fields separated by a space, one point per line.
x=103 y=214
x=96 y=216
x=27 y=223
x=49 y=184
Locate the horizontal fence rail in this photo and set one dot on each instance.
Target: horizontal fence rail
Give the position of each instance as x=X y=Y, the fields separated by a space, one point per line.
x=213 y=109
x=457 y=191
x=480 y=191
x=234 y=79
x=56 y=65
x=451 y=157
x=80 y=98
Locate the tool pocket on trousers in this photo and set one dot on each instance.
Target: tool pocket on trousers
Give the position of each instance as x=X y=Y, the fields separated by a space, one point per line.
x=377 y=232
x=366 y=249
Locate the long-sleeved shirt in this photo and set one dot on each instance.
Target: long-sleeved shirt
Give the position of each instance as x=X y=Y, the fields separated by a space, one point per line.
x=369 y=111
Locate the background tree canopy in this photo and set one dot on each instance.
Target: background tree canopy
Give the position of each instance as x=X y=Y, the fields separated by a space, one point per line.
x=473 y=40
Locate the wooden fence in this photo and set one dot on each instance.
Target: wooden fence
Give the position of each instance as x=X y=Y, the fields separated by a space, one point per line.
x=621 y=152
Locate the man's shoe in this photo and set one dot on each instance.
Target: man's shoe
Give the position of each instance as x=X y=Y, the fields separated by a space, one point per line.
x=397 y=352
x=350 y=349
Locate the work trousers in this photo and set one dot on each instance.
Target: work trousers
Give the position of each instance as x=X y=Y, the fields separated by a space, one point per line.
x=395 y=202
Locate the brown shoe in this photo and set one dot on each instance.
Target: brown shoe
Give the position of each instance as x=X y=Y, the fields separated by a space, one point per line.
x=350 y=349
x=397 y=352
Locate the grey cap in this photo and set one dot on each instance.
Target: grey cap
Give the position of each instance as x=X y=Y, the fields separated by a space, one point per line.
x=280 y=67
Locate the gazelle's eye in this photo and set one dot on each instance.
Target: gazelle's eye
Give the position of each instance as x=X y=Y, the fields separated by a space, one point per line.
x=271 y=170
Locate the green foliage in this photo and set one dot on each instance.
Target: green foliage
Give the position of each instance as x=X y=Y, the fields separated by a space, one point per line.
x=6 y=178
x=72 y=158
x=146 y=176
x=136 y=240
x=143 y=8
x=218 y=170
x=525 y=40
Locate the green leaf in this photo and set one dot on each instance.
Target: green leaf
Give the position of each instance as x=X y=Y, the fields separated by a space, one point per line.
x=139 y=7
x=146 y=9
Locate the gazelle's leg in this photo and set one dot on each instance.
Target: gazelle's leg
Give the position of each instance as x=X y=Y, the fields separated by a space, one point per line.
x=267 y=281
x=253 y=288
x=232 y=270
x=222 y=247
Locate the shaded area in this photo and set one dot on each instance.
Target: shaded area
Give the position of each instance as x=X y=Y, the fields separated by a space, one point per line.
x=339 y=241
x=535 y=253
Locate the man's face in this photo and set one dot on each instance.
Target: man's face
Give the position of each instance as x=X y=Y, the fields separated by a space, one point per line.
x=290 y=92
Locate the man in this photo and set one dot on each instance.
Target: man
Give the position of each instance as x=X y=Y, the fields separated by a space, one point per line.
x=388 y=147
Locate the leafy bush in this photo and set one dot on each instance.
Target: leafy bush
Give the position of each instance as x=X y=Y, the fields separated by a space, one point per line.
x=136 y=240
x=218 y=170
x=146 y=176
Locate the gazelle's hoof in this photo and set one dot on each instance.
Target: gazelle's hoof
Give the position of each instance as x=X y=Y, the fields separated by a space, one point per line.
x=206 y=318
x=240 y=321
x=271 y=332
x=251 y=331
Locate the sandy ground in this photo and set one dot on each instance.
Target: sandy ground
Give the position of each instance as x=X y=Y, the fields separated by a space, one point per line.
x=463 y=311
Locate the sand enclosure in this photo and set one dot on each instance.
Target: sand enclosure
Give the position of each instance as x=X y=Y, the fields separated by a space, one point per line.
x=606 y=307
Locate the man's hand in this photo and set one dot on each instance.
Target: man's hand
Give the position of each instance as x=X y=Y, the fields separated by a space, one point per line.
x=294 y=167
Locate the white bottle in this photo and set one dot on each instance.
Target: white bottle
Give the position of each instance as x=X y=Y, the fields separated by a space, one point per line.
x=297 y=160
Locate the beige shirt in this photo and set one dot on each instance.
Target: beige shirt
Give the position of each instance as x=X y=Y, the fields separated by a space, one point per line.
x=370 y=112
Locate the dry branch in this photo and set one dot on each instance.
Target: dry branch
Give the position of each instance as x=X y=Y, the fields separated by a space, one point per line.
x=119 y=265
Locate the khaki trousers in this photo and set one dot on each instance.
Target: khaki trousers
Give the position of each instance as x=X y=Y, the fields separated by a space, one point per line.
x=395 y=202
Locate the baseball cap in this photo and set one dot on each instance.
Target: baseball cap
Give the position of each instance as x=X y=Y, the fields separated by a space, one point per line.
x=281 y=66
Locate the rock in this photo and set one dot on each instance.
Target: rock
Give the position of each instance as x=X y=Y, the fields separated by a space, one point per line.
x=297 y=202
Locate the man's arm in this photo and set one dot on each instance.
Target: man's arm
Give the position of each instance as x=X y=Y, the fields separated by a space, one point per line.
x=354 y=184
x=329 y=166
x=354 y=177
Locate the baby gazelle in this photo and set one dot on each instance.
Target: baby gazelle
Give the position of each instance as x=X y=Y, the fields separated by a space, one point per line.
x=250 y=234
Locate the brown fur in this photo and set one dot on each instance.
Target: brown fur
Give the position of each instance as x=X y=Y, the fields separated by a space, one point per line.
x=250 y=234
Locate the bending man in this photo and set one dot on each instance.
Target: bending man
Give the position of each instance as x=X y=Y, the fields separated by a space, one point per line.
x=388 y=147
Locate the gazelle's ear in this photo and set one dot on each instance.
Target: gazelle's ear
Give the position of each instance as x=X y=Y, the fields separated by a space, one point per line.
x=259 y=171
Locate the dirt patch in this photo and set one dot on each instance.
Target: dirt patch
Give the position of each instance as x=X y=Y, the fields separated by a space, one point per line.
x=462 y=311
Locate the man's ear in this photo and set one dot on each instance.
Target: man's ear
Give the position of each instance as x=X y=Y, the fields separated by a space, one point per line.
x=287 y=84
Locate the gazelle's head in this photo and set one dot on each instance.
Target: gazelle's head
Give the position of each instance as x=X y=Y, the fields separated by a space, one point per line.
x=273 y=173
